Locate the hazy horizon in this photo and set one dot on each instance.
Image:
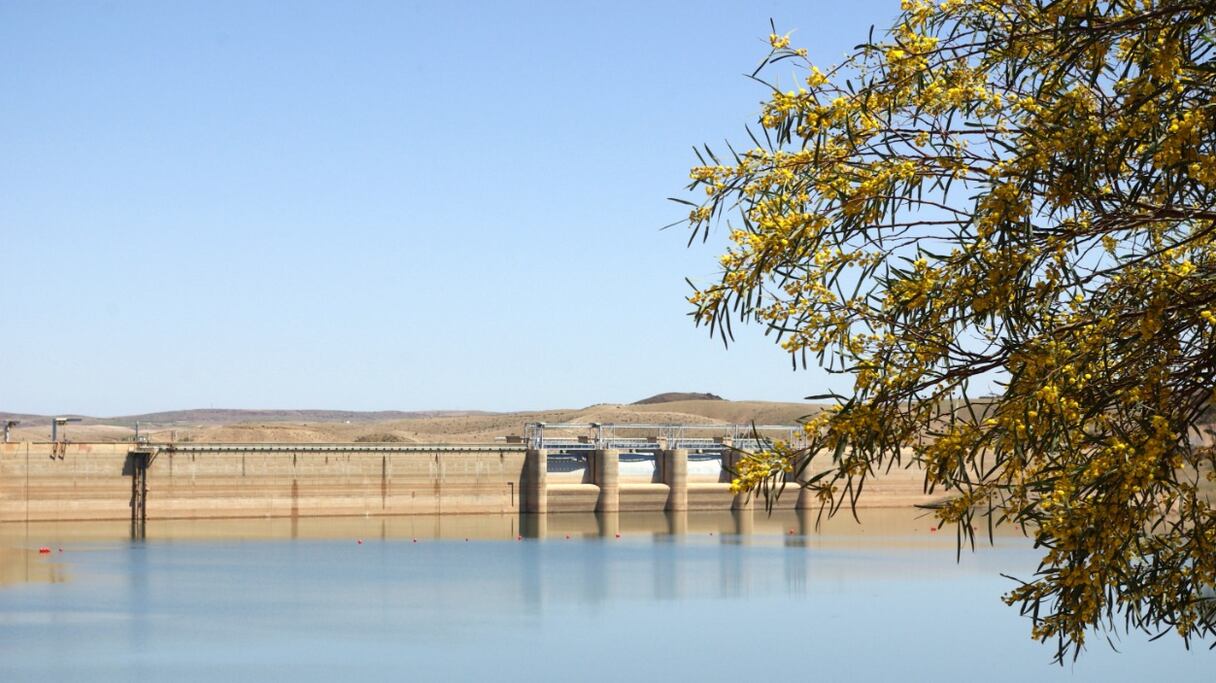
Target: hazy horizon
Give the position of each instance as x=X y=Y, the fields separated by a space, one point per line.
x=316 y=409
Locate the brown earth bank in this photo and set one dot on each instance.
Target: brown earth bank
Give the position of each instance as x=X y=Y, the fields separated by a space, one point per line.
x=320 y=426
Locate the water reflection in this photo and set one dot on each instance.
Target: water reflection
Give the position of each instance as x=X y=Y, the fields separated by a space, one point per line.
x=22 y=565
x=898 y=525
x=522 y=599
x=608 y=524
x=677 y=522
x=664 y=569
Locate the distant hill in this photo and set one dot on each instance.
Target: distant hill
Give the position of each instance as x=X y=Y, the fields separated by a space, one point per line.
x=414 y=427
x=677 y=396
x=218 y=416
x=735 y=412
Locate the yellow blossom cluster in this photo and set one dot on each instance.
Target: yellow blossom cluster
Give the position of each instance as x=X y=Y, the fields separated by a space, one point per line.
x=998 y=221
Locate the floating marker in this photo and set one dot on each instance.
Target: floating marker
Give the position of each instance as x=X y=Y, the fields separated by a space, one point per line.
x=567 y=537
x=932 y=529
x=791 y=532
x=359 y=541
x=618 y=535
x=44 y=550
x=519 y=538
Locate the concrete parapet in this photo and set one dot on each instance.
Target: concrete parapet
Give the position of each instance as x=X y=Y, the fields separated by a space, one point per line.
x=608 y=478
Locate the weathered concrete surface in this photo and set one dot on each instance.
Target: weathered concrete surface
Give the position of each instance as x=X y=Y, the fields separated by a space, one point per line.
x=674 y=471
x=42 y=481
x=573 y=497
x=46 y=481
x=535 y=481
x=607 y=468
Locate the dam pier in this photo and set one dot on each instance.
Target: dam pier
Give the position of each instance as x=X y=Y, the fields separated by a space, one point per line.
x=607 y=470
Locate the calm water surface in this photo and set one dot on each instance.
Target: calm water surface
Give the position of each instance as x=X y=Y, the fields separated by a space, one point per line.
x=688 y=597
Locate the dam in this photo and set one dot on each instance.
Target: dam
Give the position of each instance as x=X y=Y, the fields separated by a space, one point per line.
x=551 y=469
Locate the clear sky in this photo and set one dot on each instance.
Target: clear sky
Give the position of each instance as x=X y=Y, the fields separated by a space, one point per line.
x=365 y=205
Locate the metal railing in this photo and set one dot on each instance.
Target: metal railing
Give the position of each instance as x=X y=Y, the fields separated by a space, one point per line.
x=557 y=437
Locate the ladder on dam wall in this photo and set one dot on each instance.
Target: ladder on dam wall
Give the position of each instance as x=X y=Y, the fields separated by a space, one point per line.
x=138 y=461
x=140 y=458
x=143 y=482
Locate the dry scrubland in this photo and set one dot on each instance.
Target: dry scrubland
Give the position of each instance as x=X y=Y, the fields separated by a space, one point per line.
x=431 y=427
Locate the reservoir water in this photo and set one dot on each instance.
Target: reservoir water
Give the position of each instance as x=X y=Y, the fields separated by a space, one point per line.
x=715 y=596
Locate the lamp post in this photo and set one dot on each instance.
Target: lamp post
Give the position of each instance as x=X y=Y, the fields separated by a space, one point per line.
x=58 y=422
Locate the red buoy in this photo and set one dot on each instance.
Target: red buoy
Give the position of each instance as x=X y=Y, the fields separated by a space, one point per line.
x=618 y=535
x=932 y=529
x=44 y=550
x=359 y=541
x=519 y=538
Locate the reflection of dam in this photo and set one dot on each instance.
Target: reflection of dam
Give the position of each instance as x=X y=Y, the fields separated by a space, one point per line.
x=553 y=471
x=675 y=538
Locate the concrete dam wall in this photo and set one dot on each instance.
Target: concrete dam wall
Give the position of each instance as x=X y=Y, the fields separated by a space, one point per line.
x=79 y=481
x=48 y=481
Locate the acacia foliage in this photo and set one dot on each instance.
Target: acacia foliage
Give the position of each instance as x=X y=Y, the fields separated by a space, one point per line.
x=1012 y=198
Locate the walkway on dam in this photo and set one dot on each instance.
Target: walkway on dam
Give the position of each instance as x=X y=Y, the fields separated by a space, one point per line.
x=575 y=437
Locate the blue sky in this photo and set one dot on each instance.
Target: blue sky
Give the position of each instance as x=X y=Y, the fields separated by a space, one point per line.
x=372 y=205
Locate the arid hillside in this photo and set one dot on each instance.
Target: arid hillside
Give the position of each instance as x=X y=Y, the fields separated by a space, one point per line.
x=236 y=426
